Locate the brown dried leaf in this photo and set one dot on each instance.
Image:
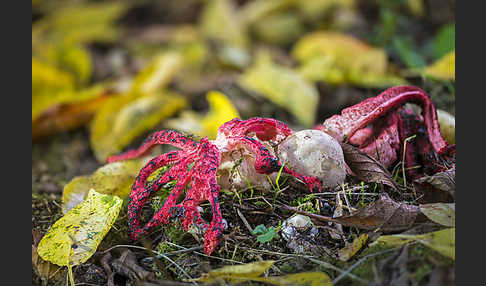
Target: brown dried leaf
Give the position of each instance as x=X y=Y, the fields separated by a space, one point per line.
x=366 y=167
x=384 y=213
x=443 y=181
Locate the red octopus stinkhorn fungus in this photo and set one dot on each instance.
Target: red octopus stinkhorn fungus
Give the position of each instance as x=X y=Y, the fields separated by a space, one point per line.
x=206 y=157
x=359 y=125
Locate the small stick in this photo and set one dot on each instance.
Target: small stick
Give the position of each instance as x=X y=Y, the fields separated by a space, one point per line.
x=250 y=229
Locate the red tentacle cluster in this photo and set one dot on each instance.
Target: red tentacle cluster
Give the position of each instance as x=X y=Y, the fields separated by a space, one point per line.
x=200 y=180
x=380 y=125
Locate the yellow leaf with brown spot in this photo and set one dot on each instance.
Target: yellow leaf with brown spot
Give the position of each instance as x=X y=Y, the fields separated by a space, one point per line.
x=74 y=238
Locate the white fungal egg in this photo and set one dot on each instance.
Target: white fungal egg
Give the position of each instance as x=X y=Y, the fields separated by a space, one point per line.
x=314 y=153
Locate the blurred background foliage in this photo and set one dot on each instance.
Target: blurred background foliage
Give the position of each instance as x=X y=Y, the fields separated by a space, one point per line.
x=124 y=68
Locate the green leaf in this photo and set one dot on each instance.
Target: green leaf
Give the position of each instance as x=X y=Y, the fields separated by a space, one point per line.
x=264 y=234
x=407 y=52
x=445 y=40
x=260 y=229
x=73 y=238
x=268 y=236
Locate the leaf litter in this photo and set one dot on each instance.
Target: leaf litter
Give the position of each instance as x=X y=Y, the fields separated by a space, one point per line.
x=259 y=46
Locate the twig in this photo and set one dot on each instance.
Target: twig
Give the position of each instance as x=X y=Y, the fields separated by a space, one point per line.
x=250 y=229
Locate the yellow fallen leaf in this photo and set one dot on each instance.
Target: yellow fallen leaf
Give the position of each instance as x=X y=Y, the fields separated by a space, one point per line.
x=252 y=272
x=126 y=117
x=338 y=58
x=284 y=87
x=444 y=68
x=238 y=273
x=442 y=241
x=158 y=73
x=221 y=110
x=351 y=249
x=111 y=179
x=79 y=22
x=122 y=120
x=77 y=109
x=49 y=86
x=73 y=238
x=220 y=21
x=299 y=279
x=441 y=213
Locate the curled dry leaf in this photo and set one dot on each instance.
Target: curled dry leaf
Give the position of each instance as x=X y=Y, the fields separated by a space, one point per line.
x=73 y=238
x=442 y=181
x=385 y=214
x=365 y=167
